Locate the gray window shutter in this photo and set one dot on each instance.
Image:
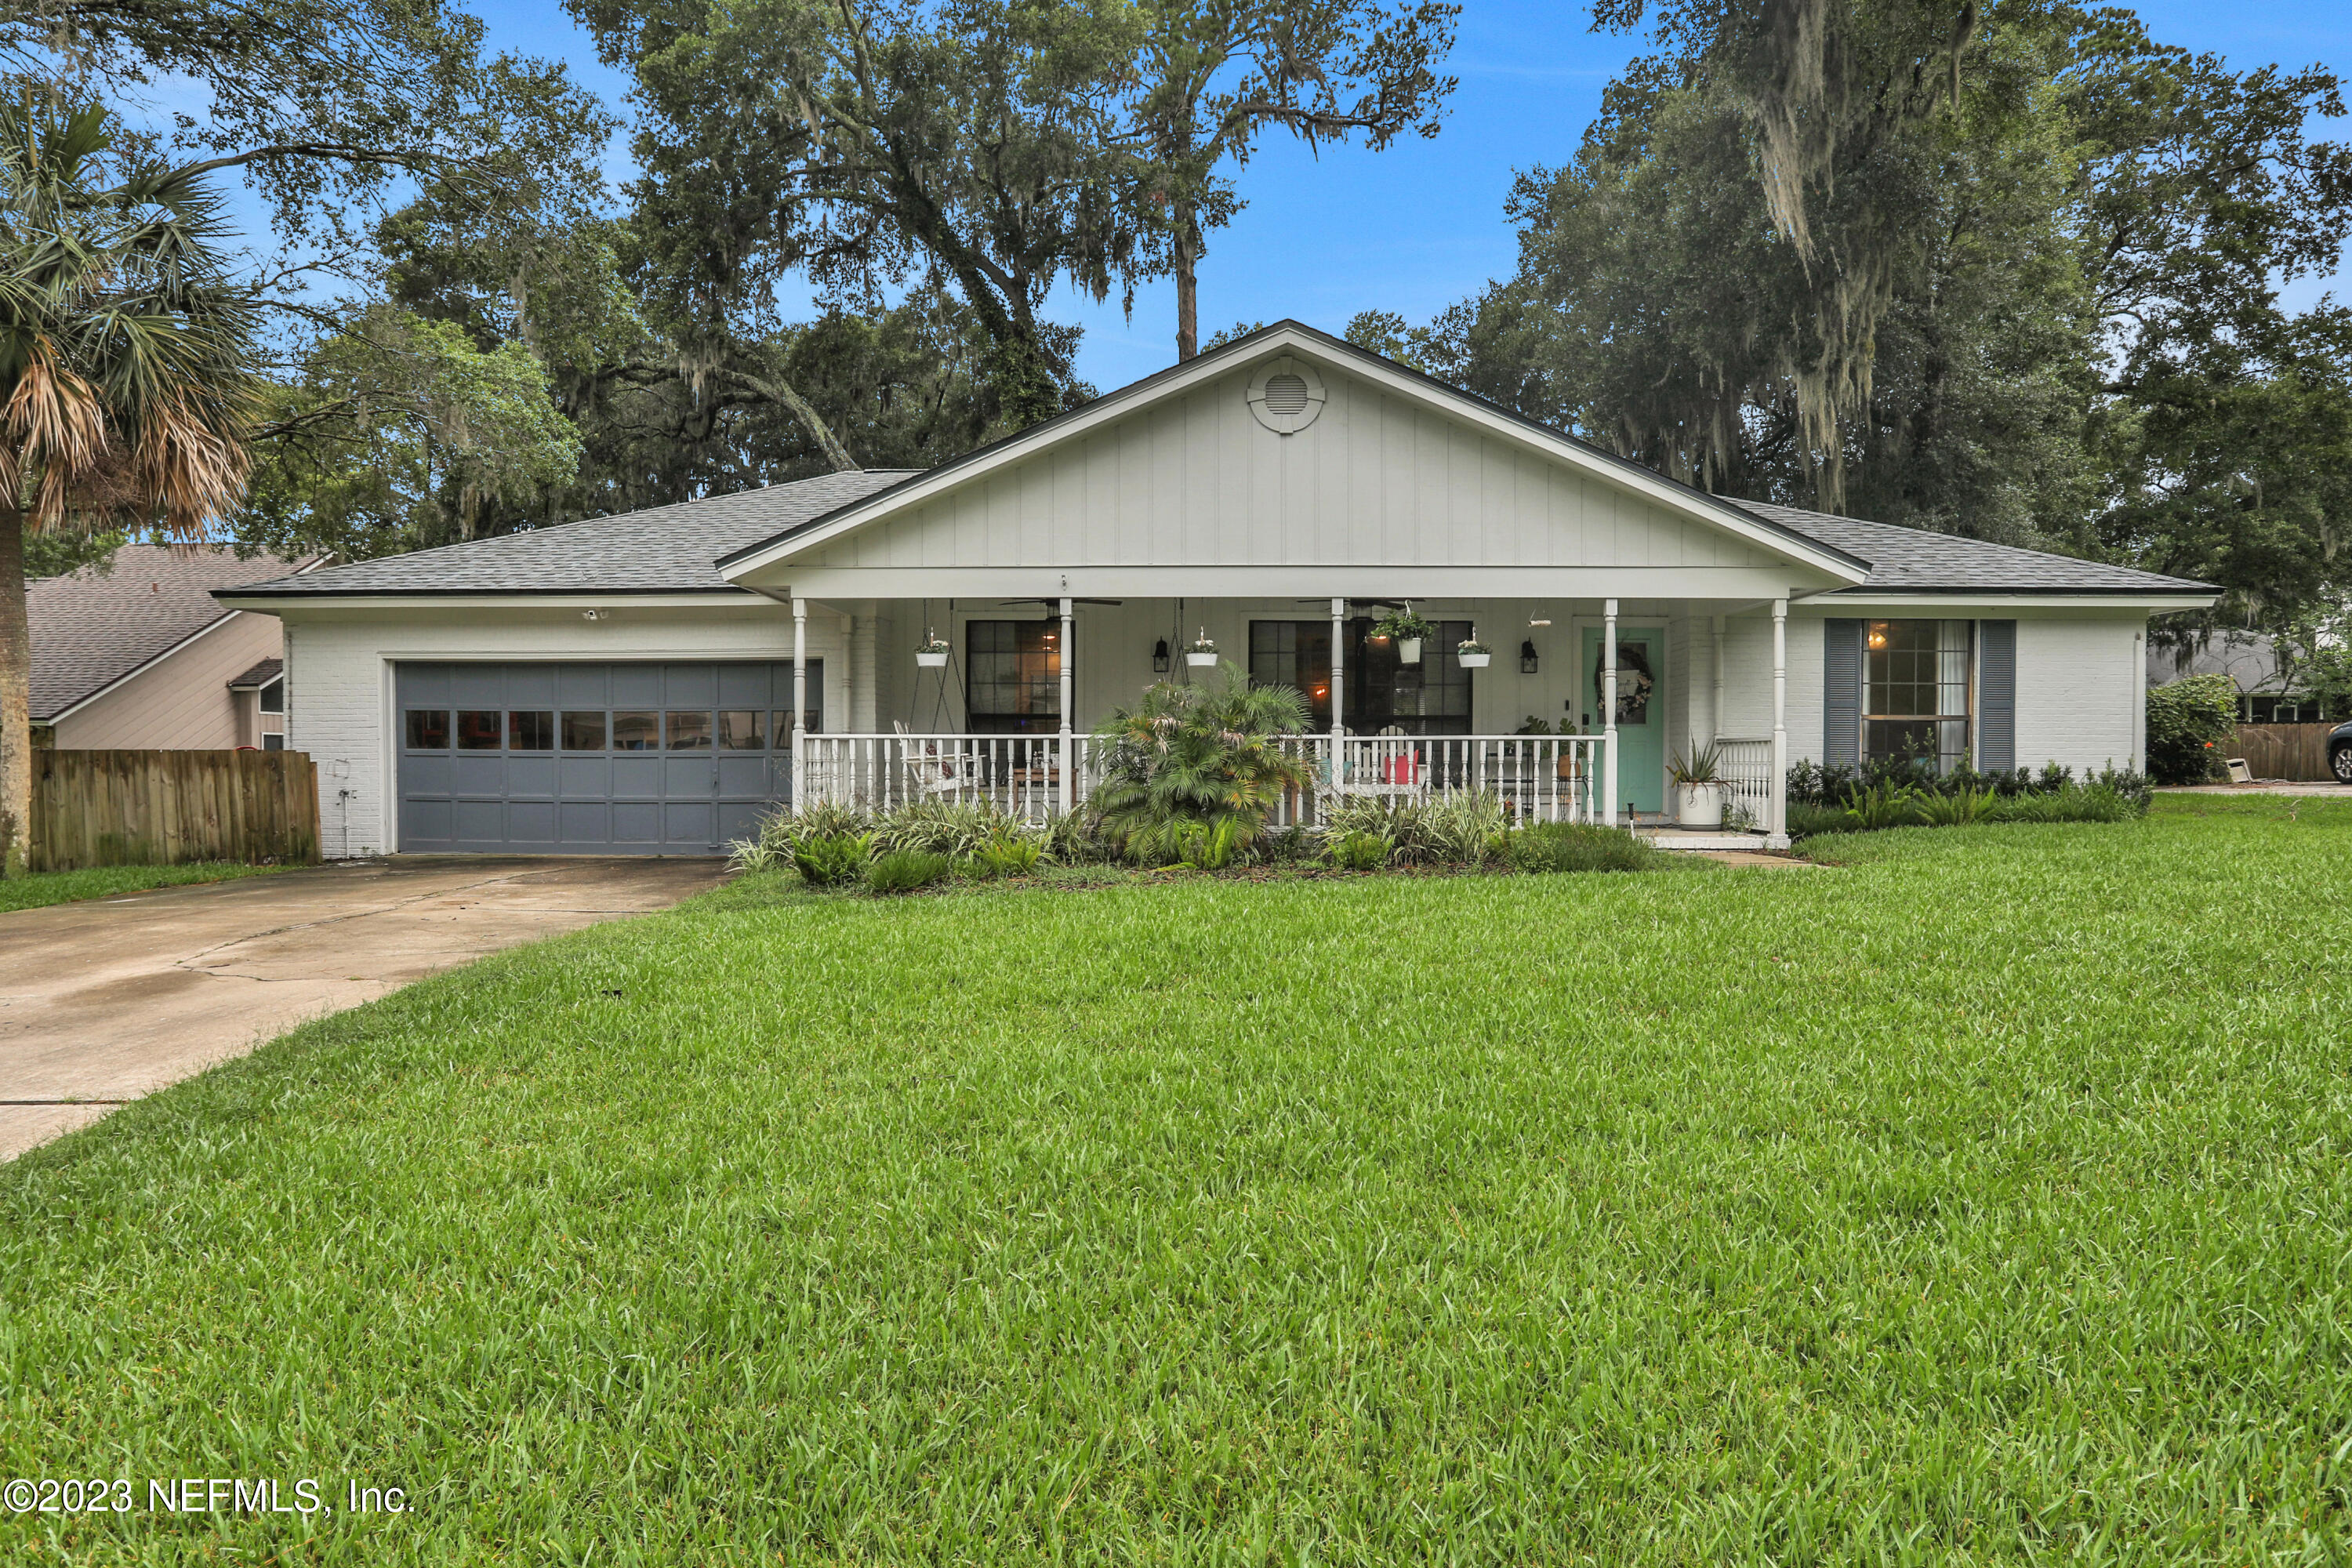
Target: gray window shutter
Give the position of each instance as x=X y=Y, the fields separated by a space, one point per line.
x=1841 y=693
x=1996 y=695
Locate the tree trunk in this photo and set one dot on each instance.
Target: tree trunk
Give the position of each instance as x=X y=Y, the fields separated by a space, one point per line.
x=15 y=702
x=1188 y=285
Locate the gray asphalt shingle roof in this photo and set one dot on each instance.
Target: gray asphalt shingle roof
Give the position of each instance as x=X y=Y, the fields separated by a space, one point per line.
x=92 y=627
x=1911 y=560
x=676 y=549
x=663 y=550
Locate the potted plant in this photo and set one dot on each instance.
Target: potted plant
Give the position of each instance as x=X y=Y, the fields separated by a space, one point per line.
x=931 y=653
x=1697 y=778
x=1473 y=654
x=1408 y=629
x=1200 y=653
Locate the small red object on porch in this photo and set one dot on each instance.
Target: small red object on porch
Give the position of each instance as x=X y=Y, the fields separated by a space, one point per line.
x=1404 y=769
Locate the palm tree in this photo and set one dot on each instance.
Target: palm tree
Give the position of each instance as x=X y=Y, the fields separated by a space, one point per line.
x=1188 y=762
x=125 y=392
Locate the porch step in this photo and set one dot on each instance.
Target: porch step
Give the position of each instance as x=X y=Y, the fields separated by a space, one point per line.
x=1693 y=838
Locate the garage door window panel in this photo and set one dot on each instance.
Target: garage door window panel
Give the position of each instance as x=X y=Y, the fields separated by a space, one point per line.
x=479 y=728
x=583 y=731
x=687 y=732
x=428 y=729
x=636 y=732
x=531 y=730
x=741 y=732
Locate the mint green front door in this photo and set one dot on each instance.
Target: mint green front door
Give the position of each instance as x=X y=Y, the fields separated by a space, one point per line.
x=1641 y=711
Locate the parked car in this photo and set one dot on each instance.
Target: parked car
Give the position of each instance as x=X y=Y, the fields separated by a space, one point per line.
x=2339 y=753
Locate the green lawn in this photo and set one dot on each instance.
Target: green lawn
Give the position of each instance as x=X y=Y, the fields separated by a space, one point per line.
x=1985 y=1197
x=42 y=888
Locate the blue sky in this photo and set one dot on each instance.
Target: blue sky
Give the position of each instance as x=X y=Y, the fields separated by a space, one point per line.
x=1415 y=228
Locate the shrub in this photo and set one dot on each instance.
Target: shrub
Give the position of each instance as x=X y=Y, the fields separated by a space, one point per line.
x=1807 y=817
x=1459 y=827
x=1186 y=758
x=830 y=859
x=1885 y=805
x=903 y=871
x=1956 y=808
x=956 y=828
x=1581 y=847
x=1212 y=845
x=1360 y=851
x=2188 y=722
x=1007 y=856
x=2077 y=802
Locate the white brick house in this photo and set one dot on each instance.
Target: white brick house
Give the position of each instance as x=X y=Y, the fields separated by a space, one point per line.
x=652 y=682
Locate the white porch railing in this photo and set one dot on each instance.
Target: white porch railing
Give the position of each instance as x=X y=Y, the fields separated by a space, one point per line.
x=1745 y=765
x=1539 y=778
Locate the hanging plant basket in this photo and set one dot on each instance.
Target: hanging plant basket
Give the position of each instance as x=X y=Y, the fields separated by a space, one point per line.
x=931 y=653
x=1472 y=653
x=1202 y=652
x=1409 y=630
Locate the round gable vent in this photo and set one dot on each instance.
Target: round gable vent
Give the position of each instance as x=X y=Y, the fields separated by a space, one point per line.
x=1285 y=396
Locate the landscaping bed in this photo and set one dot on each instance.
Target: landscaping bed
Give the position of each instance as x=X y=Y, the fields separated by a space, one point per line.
x=1987 y=1200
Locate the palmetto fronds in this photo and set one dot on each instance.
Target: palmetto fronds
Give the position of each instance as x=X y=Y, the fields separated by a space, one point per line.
x=1187 y=761
x=124 y=392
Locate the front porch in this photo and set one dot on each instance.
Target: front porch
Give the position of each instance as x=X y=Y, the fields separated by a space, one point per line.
x=1604 y=693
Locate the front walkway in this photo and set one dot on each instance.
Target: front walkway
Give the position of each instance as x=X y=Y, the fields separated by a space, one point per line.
x=105 y=1001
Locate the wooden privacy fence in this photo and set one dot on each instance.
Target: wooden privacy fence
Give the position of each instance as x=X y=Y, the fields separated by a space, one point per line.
x=2284 y=751
x=163 y=808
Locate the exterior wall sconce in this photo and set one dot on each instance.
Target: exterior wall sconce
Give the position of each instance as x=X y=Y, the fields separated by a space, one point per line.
x=1527 y=656
x=1160 y=657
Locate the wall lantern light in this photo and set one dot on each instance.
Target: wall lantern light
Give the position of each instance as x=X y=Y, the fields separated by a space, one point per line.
x=1527 y=657
x=1160 y=657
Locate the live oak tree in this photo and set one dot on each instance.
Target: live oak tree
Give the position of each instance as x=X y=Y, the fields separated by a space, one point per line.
x=1201 y=81
x=2009 y=271
x=871 y=147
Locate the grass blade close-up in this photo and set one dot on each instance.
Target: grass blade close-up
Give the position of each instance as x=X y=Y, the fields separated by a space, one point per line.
x=1981 y=1196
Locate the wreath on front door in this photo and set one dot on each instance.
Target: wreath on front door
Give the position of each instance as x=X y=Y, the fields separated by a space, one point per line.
x=1635 y=680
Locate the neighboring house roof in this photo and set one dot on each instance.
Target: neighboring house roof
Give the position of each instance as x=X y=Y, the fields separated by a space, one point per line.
x=260 y=675
x=2250 y=658
x=1913 y=561
x=682 y=549
x=663 y=550
x=93 y=628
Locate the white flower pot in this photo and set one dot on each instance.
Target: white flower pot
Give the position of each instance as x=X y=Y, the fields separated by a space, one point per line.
x=1698 y=805
x=932 y=660
x=1202 y=660
x=1408 y=650
x=1475 y=660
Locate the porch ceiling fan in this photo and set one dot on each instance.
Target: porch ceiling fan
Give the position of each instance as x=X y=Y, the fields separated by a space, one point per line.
x=1050 y=602
x=1379 y=604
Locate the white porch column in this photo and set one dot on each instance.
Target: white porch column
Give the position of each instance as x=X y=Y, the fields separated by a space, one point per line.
x=800 y=693
x=1338 y=678
x=1609 y=710
x=1069 y=755
x=1715 y=632
x=1776 y=829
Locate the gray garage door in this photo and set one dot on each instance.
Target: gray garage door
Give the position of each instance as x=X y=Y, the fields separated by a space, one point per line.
x=593 y=759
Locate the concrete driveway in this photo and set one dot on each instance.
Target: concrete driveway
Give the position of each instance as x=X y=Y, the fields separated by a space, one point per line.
x=104 y=1001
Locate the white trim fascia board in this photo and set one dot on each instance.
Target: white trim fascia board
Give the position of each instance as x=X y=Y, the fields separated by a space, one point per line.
x=456 y=602
x=1289 y=339
x=138 y=669
x=1741 y=583
x=2148 y=602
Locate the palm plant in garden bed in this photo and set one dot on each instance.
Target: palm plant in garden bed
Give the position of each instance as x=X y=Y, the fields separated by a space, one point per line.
x=1195 y=770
